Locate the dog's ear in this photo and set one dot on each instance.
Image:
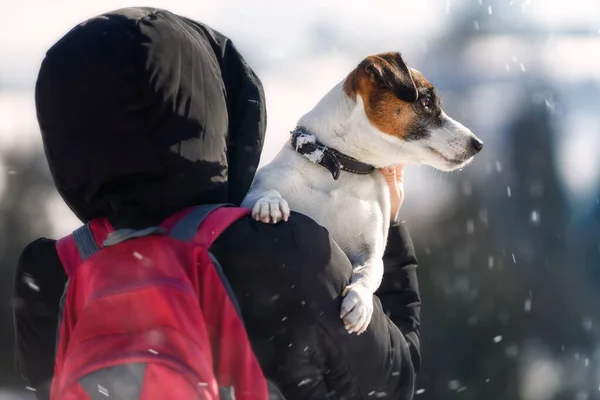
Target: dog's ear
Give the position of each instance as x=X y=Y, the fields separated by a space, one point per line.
x=389 y=71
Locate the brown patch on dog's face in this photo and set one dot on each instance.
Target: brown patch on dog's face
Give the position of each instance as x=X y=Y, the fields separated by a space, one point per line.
x=398 y=101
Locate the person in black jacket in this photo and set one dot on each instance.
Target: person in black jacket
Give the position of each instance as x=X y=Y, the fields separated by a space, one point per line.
x=143 y=113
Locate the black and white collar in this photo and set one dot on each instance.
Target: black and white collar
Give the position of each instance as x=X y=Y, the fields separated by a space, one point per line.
x=307 y=144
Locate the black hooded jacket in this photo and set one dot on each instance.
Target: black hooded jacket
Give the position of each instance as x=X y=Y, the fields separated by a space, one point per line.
x=143 y=113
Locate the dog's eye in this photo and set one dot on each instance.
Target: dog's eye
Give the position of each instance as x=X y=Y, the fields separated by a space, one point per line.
x=426 y=101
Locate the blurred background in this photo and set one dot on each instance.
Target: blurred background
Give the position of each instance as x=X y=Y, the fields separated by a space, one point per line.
x=509 y=248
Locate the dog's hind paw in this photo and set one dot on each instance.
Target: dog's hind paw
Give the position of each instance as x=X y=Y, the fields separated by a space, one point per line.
x=357 y=308
x=271 y=209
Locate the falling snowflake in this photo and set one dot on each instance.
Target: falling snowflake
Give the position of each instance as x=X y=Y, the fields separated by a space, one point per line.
x=508 y=192
x=454 y=384
x=498 y=339
x=30 y=388
x=490 y=10
x=304 y=382
x=138 y=255
x=420 y=391
x=28 y=280
x=103 y=390
x=527 y=305
x=535 y=217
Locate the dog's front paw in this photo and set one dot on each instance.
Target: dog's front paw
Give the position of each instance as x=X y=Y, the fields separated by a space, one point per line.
x=271 y=209
x=357 y=308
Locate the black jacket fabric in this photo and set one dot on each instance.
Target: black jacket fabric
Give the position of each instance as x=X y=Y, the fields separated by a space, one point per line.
x=143 y=113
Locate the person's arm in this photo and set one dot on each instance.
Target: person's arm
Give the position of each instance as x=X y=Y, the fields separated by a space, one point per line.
x=39 y=284
x=265 y=266
x=288 y=279
x=399 y=291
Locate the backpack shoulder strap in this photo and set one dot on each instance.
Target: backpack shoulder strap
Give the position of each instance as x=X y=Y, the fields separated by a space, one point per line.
x=75 y=248
x=185 y=229
x=203 y=224
x=85 y=239
x=85 y=242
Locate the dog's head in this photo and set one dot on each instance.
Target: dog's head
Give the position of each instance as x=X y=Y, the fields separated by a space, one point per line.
x=399 y=101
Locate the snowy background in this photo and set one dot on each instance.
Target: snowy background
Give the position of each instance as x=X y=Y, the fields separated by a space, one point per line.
x=509 y=248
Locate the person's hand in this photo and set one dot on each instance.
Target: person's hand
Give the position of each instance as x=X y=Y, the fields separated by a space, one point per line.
x=394 y=177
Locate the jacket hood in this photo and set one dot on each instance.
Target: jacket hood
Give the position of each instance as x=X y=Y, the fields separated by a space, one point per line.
x=144 y=112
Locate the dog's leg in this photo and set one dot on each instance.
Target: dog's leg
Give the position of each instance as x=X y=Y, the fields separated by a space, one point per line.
x=270 y=206
x=357 y=305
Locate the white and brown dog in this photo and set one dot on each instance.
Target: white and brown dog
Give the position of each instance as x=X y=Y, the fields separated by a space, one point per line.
x=382 y=114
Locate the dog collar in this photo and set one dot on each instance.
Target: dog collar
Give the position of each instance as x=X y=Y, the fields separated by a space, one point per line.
x=307 y=144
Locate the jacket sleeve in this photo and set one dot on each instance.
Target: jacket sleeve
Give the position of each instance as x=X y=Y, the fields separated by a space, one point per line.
x=399 y=290
x=39 y=283
x=288 y=279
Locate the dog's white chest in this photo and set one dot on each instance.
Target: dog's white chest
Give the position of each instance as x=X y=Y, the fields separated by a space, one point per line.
x=355 y=210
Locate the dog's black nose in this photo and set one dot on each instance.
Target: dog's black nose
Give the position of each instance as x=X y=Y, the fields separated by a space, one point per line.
x=477 y=144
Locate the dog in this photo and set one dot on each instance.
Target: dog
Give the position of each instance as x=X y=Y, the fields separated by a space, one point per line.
x=382 y=114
